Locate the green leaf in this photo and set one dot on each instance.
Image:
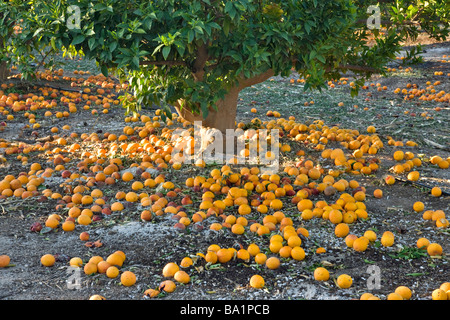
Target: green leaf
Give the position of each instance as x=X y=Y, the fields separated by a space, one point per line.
x=166 y=52
x=104 y=70
x=78 y=39
x=91 y=43
x=112 y=46
x=191 y=35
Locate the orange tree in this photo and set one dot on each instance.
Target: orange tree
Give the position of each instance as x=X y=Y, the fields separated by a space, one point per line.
x=197 y=55
x=24 y=42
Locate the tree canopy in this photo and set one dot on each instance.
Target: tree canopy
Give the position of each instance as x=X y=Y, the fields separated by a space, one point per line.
x=197 y=51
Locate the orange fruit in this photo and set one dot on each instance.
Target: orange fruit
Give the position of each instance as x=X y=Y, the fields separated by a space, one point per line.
x=297 y=253
x=294 y=241
x=97 y=297
x=445 y=286
x=237 y=229
x=349 y=239
x=186 y=262
x=260 y=258
x=418 y=206
x=413 y=176
x=127 y=176
x=434 y=249
x=371 y=235
x=112 y=272
x=243 y=255
x=211 y=257
x=224 y=255
x=436 y=192
x=84 y=236
x=366 y=296
x=335 y=216
x=423 y=243
x=48 y=260
x=390 y=180
x=275 y=246
x=387 y=239
x=96 y=259
x=253 y=249
x=4 y=261
x=341 y=230
x=394 y=296
x=90 y=268
x=170 y=269
x=344 y=281
x=321 y=274
x=115 y=259
x=68 y=226
x=182 y=276
x=128 y=278
x=273 y=263
x=360 y=244
x=404 y=291
x=439 y=294
x=167 y=286
x=256 y=281
x=399 y=155
x=84 y=219
x=378 y=193
x=285 y=252
x=151 y=293
x=103 y=266
x=76 y=262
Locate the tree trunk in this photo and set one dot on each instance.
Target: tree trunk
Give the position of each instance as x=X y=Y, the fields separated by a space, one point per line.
x=222 y=119
x=225 y=116
x=4 y=72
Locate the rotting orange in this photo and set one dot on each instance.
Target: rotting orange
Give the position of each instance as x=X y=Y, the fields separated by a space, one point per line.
x=167 y=286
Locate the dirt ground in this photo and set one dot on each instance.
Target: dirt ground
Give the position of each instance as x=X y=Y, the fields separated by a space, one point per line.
x=150 y=245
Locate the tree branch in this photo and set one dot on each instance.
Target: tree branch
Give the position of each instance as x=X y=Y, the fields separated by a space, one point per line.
x=163 y=63
x=198 y=69
x=356 y=68
x=247 y=82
